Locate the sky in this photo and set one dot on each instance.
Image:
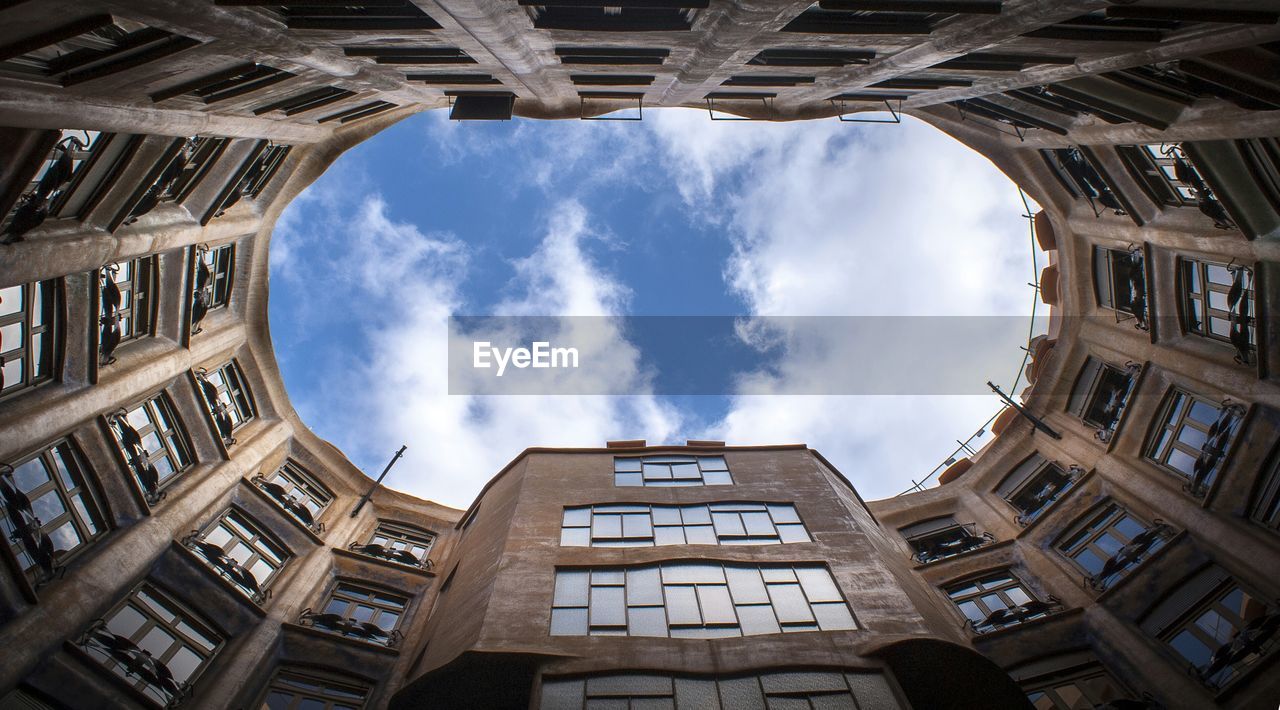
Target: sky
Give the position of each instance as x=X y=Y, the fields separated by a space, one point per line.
x=676 y=215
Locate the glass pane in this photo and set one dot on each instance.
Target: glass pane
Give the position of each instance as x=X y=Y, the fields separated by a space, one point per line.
x=833 y=616
x=626 y=464
x=758 y=523
x=685 y=471
x=656 y=472
x=793 y=533
x=716 y=478
x=745 y=586
x=627 y=479
x=757 y=619
x=636 y=525
x=646 y=621
x=1191 y=648
x=577 y=516
x=644 y=586
x=783 y=514
x=575 y=537
x=568 y=622
x=682 y=605
x=30 y=475
x=789 y=603
x=818 y=585
x=184 y=664
x=728 y=524
x=717 y=608
x=1203 y=412
x=668 y=536
x=571 y=588
x=126 y=622
x=608 y=607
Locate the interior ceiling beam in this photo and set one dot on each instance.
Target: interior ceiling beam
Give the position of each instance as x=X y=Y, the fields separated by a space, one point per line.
x=1215 y=40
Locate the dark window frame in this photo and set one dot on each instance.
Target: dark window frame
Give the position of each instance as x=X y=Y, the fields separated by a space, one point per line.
x=40 y=363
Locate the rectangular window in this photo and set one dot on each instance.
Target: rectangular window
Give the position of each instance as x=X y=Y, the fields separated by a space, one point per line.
x=1120 y=282
x=380 y=15
x=783 y=689
x=29 y=333
x=411 y=55
x=616 y=56
x=918 y=19
x=1194 y=437
x=153 y=644
x=226 y=84
x=667 y=471
x=50 y=512
x=127 y=305
x=1035 y=486
x=1266 y=503
x=45 y=192
x=1223 y=634
x=399 y=543
x=707 y=524
x=998 y=601
x=90 y=48
x=1088 y=686
x=236 y=548
x=623 y=16
x=941 y=538
x=1100 y=395
x=304 y=689
x=1218 y=303
x=360 y=613
x=227 y=397
x=1156 y=167
x=812 y=57
x=1083 y=178
x=212 y=275
x=697 y=600
x=301 y=495
x=1109 y=544
x=154 y=444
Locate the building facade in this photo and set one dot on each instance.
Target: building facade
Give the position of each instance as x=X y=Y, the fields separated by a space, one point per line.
x=175 y=535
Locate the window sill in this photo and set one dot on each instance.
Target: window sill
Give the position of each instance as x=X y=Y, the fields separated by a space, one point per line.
x=280 y=509
x=102 y=671
x=379 y=649
x=388 y=564
x=226 y=584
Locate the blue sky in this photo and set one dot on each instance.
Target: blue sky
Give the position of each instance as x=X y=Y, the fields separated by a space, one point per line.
x=677 y=215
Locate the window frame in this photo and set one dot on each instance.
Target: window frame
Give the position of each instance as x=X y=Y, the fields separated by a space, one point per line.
x=1050 y=682
x=996 y=583
x=782 y=518
x=220 y=263
x=1102 y=521
x=86 y=490
x=317 y=677
x=1168 y=427
x=182 y=614
x=175 y=442
x=1196 y=288
x=300 y=479
x=1151 y=165
x=947 y=529
x=1264 y=506
x=48 y=367
x=628 y=471
x=1071 y=476
x=1107 y=295
x=141 y=285
x=355 y=594
x=1088 y=403
x=393 y=532
x=1188 y=622
x=252 y=535
x=232 y=398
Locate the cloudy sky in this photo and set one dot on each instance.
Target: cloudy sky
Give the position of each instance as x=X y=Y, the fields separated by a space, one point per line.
x=675 y=215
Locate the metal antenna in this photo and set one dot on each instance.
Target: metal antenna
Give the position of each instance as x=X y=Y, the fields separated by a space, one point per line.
x=365 y=498
x=1035 y=421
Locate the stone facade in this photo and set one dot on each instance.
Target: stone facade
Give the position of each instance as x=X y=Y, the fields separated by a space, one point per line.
x=177 y=536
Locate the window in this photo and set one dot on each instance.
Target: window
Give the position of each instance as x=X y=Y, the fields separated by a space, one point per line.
x=410 y=55
x=1215 y=626
x=154 y=444
x=697 y=600
x=788 y=57
x=298 y=493
x=1194 y=437
x=49 y=511
x=153 y=643
x=776 y=689
x=1035 y=486
x=708 y=524
x=623 y=16
x=361 y=613
x=1218 y=303
x=174 y=177
x=29 y=333
x=1171 y=179
x=263 y=161
x=388 y=15
x=612 y=55
x=51 y=183
x=305 y=690
x=940 y=538
x=396 y=542
x=212 y=278
x=1087 y=686
x=1120 y=283
x=671 y=471
x=241 y=552
x=227 y=397
x=127 y=304
x=229 y=83
x=1100 y=395
x=1109 y=544
x=1266 y=504
x=90 y=48
x=998 y=601
x=919 y=21
x=1082 y=178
